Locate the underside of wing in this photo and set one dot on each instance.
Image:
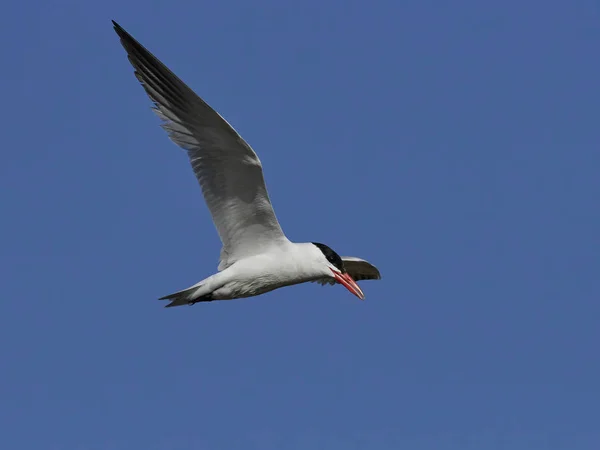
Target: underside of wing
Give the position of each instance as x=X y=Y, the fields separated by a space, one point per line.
x=229 y=172
x=357 y=268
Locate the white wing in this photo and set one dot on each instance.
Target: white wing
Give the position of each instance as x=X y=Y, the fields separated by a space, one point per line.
x=357 y=268
x=229 y=172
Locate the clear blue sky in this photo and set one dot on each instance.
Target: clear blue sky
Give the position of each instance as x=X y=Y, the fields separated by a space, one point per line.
x=456 y=145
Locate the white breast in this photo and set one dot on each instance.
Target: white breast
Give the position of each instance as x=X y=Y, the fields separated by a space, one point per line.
x=284 y=266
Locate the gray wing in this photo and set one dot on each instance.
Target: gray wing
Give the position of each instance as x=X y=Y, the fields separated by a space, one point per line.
x=229 y=172
x=358 y=269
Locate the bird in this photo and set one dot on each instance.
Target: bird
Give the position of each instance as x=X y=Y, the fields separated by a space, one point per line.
x=256 y=256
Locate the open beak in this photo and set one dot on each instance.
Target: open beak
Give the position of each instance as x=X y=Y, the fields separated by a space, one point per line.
x=347 y=281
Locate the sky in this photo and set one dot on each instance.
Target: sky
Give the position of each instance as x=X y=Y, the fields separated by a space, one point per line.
x=455 y=145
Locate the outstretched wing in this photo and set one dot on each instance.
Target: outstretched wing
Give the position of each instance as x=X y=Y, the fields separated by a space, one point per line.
x=357 y=268
x=229 y=172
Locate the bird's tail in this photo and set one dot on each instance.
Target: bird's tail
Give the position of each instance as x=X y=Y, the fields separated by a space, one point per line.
x=188 y=296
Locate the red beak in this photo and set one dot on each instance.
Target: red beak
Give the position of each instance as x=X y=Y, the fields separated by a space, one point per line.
x=347 y=281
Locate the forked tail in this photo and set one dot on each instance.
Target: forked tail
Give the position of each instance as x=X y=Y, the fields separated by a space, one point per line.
x=188 y=296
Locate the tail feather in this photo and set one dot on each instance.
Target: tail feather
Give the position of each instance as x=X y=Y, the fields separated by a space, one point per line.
x=180 y=301
x=186 y=297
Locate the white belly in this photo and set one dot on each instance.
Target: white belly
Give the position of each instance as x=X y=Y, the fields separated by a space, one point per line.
x=260 y=274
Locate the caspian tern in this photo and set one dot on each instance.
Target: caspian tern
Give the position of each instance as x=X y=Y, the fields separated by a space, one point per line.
x=256 y=257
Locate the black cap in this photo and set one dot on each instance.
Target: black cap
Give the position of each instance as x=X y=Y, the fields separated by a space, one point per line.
x=331 y=256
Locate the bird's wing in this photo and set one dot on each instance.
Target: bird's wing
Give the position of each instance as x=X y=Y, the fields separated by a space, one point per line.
x=229 y=172
x=357 y=268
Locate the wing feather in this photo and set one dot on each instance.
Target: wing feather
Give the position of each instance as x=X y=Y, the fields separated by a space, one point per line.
x=357 y=268
x=228 y=170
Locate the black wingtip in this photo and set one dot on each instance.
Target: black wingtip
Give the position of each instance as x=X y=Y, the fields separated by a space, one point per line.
x=119 y=29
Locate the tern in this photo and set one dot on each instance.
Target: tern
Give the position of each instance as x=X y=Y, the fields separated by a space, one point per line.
x=256 y=256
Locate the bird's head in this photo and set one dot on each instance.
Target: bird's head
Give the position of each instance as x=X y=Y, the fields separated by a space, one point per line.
x=334 y=268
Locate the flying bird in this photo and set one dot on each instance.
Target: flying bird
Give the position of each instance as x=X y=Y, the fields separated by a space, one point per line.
x=256 y=256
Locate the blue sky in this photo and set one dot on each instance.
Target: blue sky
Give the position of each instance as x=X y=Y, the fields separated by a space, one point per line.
x=456 y=145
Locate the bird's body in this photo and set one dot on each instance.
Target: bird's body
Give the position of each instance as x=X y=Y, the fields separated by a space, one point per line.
x=285 y=265
x=256 y=256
